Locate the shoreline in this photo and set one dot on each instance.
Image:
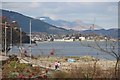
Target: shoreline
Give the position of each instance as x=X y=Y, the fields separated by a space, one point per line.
x=75 y=41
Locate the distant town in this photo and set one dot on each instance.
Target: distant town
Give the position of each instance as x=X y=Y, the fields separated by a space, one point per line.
x=41 y=37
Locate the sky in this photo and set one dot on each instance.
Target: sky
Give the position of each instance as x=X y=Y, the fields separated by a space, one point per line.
x=102 y=13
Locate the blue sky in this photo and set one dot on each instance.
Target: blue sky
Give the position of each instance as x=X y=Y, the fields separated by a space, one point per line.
x=105 y=13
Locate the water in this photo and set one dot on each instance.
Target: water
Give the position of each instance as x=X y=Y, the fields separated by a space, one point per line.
x=68 y=49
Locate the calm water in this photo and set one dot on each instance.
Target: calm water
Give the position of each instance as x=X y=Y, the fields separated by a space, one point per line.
x=68 y=49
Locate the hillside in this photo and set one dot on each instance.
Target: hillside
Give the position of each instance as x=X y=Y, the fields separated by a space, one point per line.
x=114 y=33
x=77 y=25
x=41 y=25
x=37 y=25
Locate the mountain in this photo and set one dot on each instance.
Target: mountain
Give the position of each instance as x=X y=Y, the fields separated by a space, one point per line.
x=41 y=25
x=75 y=25
x=114 y=33
x=37 y=25
x=83 y=28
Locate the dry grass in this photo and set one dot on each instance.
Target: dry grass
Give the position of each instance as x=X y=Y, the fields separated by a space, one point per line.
x=84 y=67
x=86 y=71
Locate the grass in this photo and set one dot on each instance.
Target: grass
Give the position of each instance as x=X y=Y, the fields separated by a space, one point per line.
x=86 y=71
x=14 y=69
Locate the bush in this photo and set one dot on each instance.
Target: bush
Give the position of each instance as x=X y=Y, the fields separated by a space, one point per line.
x=19 y=70
x=60 y=74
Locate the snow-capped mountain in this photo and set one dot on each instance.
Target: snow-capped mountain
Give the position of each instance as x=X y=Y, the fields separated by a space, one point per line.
x=77 y=25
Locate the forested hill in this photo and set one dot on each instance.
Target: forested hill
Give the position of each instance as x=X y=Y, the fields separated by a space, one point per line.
x=37 y=25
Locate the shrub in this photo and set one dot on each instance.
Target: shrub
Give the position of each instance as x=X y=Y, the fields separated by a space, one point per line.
x=60 y=74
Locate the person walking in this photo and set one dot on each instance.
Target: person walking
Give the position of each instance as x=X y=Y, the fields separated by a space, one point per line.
x=56 y=65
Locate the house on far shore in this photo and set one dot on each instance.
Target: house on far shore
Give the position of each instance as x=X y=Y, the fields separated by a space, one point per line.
x=81 y=38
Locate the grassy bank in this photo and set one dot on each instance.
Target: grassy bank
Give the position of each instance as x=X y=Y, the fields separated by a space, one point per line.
x=83 y=67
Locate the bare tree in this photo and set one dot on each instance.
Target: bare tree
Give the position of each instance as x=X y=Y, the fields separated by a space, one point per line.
x=111 y=48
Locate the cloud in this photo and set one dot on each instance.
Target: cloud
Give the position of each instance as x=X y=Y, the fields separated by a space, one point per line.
x=61 y=1
x=105 y=12
x=34 y=4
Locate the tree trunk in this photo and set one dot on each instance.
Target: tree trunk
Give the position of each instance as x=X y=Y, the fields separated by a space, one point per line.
x=116 y=67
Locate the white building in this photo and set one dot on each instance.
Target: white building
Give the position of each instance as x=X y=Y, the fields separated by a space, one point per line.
x=81 y=38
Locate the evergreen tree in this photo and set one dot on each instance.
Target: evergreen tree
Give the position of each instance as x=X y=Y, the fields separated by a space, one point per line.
x=14 y=29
